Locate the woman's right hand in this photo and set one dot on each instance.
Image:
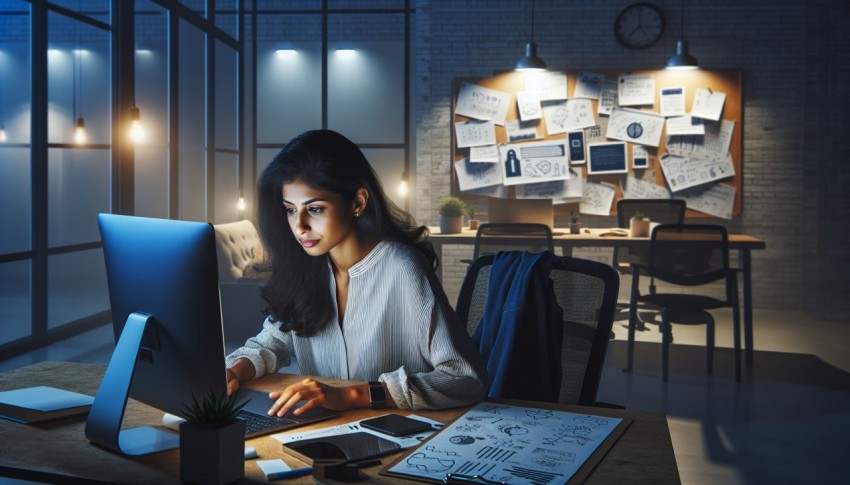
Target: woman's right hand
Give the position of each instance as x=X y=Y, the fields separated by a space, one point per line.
x=232 y=382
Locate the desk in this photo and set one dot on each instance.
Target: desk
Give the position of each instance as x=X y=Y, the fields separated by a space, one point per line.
x=591 y=238
x=59 y=450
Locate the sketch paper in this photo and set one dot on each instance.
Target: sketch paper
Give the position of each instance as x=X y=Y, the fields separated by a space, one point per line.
x=484 y=154
x=527 y=163
x=672 y=101
x=517 y=130
x=607 y=97
x=596 y=133
x=640 y=157
x=684 y=172
x=498 y=191
x=715 y=142
x=603 y=158
x=708 y=104
x=597 y=198
x=714 y=199
x=685 y=125
x=475 y=175
x=508 y=444
x=483 y=103
x=640 y=189
x=572 y=114
x=635 y=126
x=528 y=105
x=636 y=90
x=475 y=133
x=549 y=85
x=588 y=85
x=560 y=191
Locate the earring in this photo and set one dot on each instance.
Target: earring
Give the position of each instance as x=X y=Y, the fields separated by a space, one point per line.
x=357 y=214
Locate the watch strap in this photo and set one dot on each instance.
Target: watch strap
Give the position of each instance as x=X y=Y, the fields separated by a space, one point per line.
x=377 y=395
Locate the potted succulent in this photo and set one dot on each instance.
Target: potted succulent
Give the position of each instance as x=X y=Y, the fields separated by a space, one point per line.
x=470 y=211
x=451 y=211
x=639 y=225
x=212 y=440
x=575 y=223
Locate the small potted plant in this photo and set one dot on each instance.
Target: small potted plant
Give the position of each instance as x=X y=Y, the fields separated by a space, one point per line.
x=470 y=211
x=575 y=223
x=212 y=440
x=451 y=211
x=639 y=225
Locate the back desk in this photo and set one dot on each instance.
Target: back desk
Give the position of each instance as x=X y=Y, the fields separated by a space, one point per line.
x=742 y=243
x=58 y=452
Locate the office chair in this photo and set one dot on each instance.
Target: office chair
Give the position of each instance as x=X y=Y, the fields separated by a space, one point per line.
x=494 y=237
x=687 y=255
x=586 y=292
x=662 y=211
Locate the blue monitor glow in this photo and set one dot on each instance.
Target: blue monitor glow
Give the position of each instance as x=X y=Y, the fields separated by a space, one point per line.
x=163 y=289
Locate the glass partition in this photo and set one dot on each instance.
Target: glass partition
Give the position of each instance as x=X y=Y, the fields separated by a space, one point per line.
x=78 y=189
x=15 y=301
x=192 y=124
x=76 y=286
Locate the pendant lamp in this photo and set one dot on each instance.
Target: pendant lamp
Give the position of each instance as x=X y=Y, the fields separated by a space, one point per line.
x=682 y=60
x=530 y=61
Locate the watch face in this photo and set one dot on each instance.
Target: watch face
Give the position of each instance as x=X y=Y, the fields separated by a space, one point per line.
x=639 y=26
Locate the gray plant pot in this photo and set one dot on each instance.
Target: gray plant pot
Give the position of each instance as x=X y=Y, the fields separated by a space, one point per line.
x=212 y=455
x=451 y=224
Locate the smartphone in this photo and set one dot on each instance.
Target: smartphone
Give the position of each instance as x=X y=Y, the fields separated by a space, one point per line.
x=396 y=425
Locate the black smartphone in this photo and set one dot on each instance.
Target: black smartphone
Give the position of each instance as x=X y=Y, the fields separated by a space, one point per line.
x=396 y=425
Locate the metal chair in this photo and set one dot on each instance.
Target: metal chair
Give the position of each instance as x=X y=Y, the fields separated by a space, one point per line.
x=662 y=211
x=687 y=255
x=586 y=292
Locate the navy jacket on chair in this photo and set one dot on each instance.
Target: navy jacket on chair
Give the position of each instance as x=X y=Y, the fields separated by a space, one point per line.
x=520 y=335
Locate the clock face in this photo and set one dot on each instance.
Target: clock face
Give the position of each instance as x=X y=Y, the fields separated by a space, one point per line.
x=639 y=26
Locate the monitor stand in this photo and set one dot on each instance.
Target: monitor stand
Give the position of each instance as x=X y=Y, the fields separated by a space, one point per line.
x=103 y=426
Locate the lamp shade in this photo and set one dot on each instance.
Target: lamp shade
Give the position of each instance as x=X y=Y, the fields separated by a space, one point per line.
x=530 y=61
x=682 y=59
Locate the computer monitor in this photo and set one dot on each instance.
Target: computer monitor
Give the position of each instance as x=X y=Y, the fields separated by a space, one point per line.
x=163 y=289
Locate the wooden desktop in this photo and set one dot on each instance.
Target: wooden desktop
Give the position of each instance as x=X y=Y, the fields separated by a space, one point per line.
x=59 y=451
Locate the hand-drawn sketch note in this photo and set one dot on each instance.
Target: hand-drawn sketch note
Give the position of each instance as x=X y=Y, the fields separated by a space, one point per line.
x=528 y=105
x=560 y=191
x=640 y=189
x=508 y=444
x=484 y=154
x=715 y=142
x=684 y=172
x=474 y=175
x=635 y=126
x=517 y=130
x=636 y=89
x=640 y=156
x=672 y=101
x=475 y=133
x=588 y=85
x=527 y=163
x=708 y=104
x=498 y=191
x=607 y=97
x=597 y=198
x=714 y=199
x=563 y=116
x=685 y=125
x=483 y=103
x=596 y=133
x=548 y=85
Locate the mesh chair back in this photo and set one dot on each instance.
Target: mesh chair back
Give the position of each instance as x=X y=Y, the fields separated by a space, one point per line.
x=586 y=291
x=689 y=254
x=494 y=237
x=662 y=211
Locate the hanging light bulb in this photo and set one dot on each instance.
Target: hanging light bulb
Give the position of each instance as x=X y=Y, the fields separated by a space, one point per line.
x=137 y=133
x=240 y=204
x=402 y=185
x=80 y=131
x=3 y=136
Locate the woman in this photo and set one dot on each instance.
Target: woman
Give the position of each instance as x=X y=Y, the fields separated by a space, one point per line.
x=353 y=293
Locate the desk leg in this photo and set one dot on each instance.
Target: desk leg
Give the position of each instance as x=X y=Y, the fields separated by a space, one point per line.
x=748 y=305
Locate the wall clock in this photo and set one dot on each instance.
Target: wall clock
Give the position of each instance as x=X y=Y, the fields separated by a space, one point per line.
x=640 y=25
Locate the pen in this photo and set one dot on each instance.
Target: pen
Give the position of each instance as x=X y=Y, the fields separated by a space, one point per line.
x=300 y=472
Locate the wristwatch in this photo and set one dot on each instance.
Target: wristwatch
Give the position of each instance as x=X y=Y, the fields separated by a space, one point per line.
x=377 y=395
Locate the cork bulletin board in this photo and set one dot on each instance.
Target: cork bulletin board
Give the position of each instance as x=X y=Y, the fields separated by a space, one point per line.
x=653 y=166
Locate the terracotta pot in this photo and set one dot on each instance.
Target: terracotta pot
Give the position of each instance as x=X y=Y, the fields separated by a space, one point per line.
x=639 y=228
x=212 y=455
x=473 y=224
x=451 y=224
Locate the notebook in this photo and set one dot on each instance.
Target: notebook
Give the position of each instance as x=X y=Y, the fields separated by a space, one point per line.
x=42 y=403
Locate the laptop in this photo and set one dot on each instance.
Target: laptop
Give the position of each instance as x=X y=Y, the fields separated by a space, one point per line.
x=258 y=422
x=540 y=211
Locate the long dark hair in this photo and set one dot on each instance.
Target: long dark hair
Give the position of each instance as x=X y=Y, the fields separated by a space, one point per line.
x=298 y=291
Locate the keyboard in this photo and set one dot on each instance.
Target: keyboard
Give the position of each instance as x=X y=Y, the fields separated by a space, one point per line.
x=257 y=422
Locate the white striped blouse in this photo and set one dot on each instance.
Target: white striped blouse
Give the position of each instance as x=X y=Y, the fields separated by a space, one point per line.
x=399 y=328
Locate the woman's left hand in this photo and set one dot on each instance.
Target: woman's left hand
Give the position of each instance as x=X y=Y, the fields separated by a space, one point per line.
x=314 y=392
